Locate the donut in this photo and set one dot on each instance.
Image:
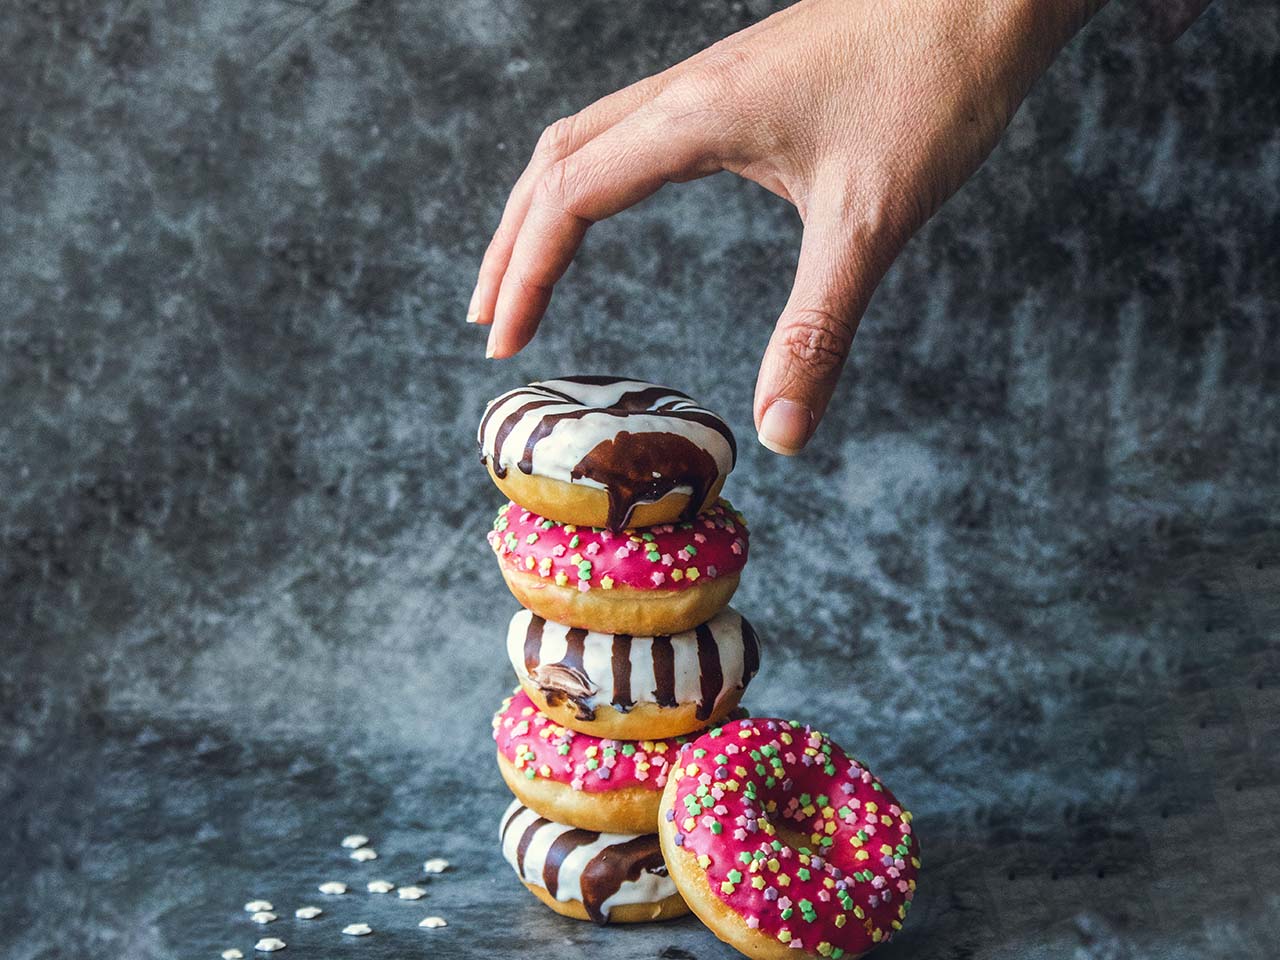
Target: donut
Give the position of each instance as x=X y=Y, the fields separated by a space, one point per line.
x=575 y=778
x=629 y=687
x=605 y=451
x=605 y=877
x=661 y=580
x=783 y=844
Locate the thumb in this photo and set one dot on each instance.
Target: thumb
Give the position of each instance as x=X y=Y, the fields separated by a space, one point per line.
x=840 y=264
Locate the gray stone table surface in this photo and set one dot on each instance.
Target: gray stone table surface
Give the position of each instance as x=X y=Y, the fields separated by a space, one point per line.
x=1030 y=570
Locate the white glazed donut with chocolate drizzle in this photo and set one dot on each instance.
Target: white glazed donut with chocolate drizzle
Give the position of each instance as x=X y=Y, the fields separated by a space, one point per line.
x=632 y=688
x=605 y=451
x=604 y=877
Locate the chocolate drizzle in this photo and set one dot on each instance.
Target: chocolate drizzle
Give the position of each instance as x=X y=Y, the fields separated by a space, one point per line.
x=710 y=675
x=633 y=401
x=599 y=668
x=636 y=468
x=620 y=661
x=567 y=680
x=616 y=865
x=633 y=468
x=509 y=424
x=533 y=644
x=664 y=671
x=602 y=863
x=561 y=847
x=548 y=396
x=526 y=838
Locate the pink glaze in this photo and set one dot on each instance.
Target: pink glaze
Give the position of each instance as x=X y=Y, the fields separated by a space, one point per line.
x=849 y=886
x=668 y=556
x=540 y=748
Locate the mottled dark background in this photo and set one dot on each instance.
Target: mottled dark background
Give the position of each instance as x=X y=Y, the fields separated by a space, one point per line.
x=1030 y=569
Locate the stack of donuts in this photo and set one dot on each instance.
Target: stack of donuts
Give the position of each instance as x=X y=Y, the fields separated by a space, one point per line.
x=642 y=791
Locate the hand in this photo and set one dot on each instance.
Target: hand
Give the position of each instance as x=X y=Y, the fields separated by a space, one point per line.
x=865 y=114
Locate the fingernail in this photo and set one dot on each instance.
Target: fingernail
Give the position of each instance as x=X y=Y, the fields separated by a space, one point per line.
x=473 y=308
x=785 y=427
x=488 y=347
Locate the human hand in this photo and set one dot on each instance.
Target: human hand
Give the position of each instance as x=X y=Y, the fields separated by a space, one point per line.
x=864 y=115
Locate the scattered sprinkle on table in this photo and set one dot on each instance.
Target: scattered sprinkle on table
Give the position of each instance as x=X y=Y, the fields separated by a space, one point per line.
x=411 y=893
x=333 y=888
x=257 y=906
x=380 y=886
x=263 y=916
x=232 y=954
x=307 y=913
x=432 y=922
x=354 y=841
x=436 y=865
x=364 y=854
x=269 y=945
x=357 y=929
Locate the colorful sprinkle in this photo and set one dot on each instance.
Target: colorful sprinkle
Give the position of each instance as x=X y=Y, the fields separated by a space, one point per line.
x=573 y=556
x=742 y=781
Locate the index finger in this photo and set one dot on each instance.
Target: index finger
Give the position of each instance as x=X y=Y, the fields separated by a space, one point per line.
x=616 y=170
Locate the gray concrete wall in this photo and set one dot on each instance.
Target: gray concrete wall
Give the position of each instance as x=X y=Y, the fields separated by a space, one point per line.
x=1029 y=570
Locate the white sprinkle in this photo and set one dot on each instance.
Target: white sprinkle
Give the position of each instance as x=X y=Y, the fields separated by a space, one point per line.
x=269 y=945
x=232 y=954
x=411 y=893
x=257 y=906
x=357 y=929
x=364 y=854
x=354 y=841
x=263 y=916
x=333 y=888
x=433 y=922
x=436 y=865
x=307 y=913
x=380 y=886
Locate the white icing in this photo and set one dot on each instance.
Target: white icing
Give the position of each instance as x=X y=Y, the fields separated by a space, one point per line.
x=646 y=888
x=556 y=454
x=597 y=658
x=649 y=887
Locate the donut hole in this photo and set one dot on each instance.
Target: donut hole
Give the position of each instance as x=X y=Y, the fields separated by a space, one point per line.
x=793 y=835
x=798 y=820
x=800 y=835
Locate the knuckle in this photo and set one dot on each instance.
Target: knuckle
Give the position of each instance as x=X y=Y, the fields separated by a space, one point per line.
x=877 y=212
x=555 y=186
x=717 y=79
x=529 y=282
x=556 y=141
x=818 y=341
x=887 y=217
x=723 y=70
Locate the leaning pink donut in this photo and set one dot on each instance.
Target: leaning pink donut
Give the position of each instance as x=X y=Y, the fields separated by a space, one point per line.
x=652 y=581
x=784 y=845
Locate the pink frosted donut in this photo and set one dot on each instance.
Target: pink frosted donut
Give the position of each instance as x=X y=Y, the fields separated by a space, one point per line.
x=597 y=784
x=783 y=844
x=647 y=582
